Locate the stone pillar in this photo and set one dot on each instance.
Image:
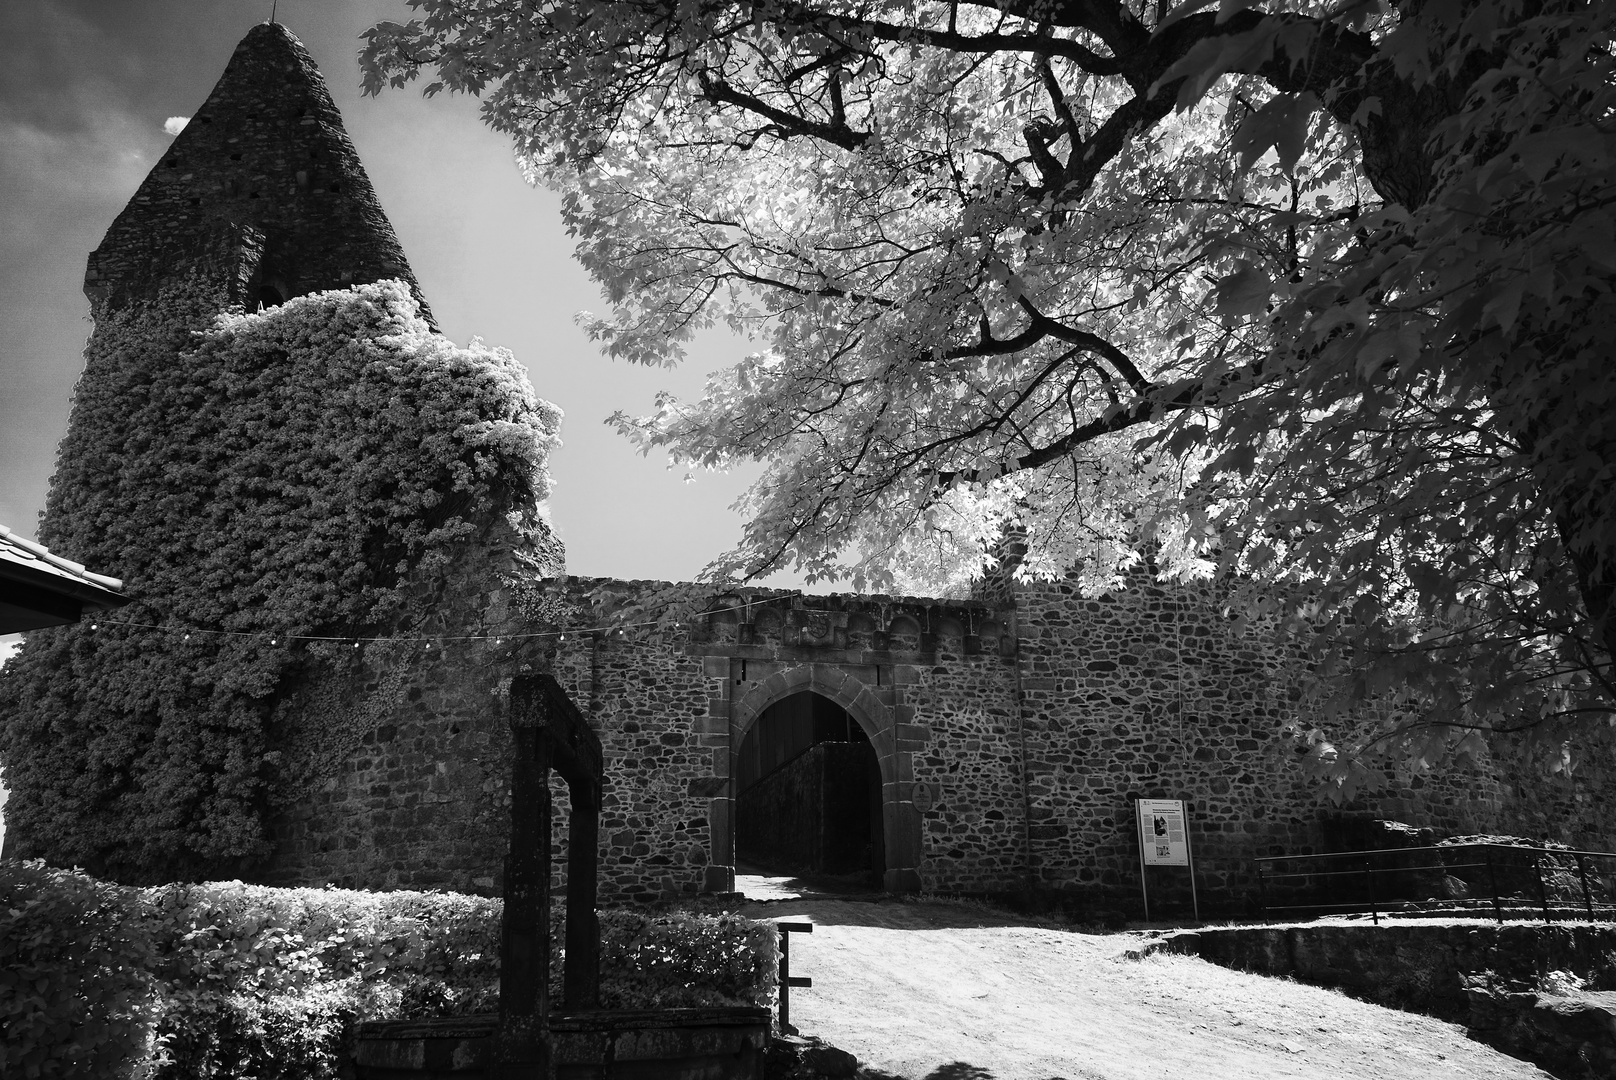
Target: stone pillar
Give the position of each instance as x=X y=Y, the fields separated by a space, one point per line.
x=580 y=976
x=719 y=875
x=901 y=821
x=521 y=1048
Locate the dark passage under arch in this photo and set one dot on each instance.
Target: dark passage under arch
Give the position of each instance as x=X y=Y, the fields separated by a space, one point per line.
x=808 y=791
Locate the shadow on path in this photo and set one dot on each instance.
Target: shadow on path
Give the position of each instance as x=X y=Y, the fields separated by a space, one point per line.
x=964 y=1070
x=887 y=913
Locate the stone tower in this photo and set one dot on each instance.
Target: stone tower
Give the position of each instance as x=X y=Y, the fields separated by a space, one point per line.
x=263 y=192
x=327 y=515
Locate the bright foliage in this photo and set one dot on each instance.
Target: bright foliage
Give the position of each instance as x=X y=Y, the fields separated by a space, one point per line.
x=77 y=997
x=227 y=980
x=1311 y=294
x=289 y=472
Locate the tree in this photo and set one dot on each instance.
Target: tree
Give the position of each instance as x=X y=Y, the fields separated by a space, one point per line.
x=1315 y=296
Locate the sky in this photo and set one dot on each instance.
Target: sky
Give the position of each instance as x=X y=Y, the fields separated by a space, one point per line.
x=85 y=89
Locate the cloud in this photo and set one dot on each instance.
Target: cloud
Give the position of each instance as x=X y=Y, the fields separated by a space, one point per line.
x=175 y=124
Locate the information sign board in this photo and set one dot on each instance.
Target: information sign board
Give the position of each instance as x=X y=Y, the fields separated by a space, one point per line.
x=1163 y=839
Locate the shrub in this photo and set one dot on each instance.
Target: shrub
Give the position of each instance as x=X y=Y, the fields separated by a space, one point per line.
x=293 y=1036
x=682 y=959
x=232 y=980
x=77 y=998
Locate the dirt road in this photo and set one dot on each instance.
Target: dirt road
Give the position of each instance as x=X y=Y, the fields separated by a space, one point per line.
x=945 y=992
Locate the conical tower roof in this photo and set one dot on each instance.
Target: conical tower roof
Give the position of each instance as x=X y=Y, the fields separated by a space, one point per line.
x=263 y=193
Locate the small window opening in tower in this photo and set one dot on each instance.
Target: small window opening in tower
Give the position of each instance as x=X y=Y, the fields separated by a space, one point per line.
x=808 y=795
x=269 y=296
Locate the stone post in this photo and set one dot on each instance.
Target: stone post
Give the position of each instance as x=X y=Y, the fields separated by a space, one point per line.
x=522 y=1044
x=581 y=971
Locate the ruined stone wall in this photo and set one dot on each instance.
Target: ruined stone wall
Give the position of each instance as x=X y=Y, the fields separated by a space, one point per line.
x=1148 y=693
x=1012 y=743
x=974 y=826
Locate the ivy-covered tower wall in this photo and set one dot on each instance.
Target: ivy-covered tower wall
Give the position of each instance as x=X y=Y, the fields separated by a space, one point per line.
x=315 y=500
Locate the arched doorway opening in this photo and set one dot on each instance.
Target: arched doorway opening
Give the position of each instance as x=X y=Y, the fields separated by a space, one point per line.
x=808 y=792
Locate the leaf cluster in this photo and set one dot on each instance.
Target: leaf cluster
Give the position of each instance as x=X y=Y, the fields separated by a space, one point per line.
x=1428 y=492
x=1309 y=295
x=77 y=997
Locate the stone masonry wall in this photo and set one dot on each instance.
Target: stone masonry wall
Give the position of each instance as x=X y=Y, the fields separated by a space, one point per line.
x=1012 y=742
x=1575 y=807
x=397 y=763
x=1143 y=693
x=974 y=832
x=645 y=696
x=1146 y=693
x=671 y=704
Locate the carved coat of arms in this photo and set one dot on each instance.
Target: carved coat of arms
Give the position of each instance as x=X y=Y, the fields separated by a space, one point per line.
x=816 y=627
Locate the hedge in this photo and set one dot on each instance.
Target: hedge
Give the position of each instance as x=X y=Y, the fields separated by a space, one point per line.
x=232 y=980
x=77 y=993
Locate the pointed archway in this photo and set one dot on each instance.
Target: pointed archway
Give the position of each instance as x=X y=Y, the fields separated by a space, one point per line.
x=808 y=793
x=900 y=822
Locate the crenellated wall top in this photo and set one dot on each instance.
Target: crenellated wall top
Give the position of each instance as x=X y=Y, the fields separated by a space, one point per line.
x=754 y=621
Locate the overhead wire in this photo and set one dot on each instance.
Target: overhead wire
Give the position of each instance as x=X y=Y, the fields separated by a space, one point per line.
x=356 y=640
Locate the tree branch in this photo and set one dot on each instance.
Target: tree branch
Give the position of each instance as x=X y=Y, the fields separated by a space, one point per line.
x=786 y=124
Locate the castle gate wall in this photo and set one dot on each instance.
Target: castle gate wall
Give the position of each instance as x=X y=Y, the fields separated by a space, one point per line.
x=674 y=703
x=1148 y=693
x=1012 y=740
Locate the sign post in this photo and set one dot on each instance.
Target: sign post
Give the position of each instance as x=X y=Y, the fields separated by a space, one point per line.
x=1164 y=840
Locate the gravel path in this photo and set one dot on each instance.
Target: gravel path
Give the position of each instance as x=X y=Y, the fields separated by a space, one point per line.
x=949 y=992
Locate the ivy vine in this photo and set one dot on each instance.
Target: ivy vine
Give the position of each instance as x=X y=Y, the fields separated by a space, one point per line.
x=251 y=478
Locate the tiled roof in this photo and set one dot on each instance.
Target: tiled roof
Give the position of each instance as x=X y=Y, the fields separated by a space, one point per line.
x=15 y=552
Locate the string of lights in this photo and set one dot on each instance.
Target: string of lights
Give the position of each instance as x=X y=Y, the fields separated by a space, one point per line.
x=428 y=639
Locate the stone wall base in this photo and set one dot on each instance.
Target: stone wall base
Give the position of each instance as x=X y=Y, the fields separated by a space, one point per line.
x=640 y=1044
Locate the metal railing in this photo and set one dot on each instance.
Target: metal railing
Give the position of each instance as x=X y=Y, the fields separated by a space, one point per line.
x=1500 y=880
